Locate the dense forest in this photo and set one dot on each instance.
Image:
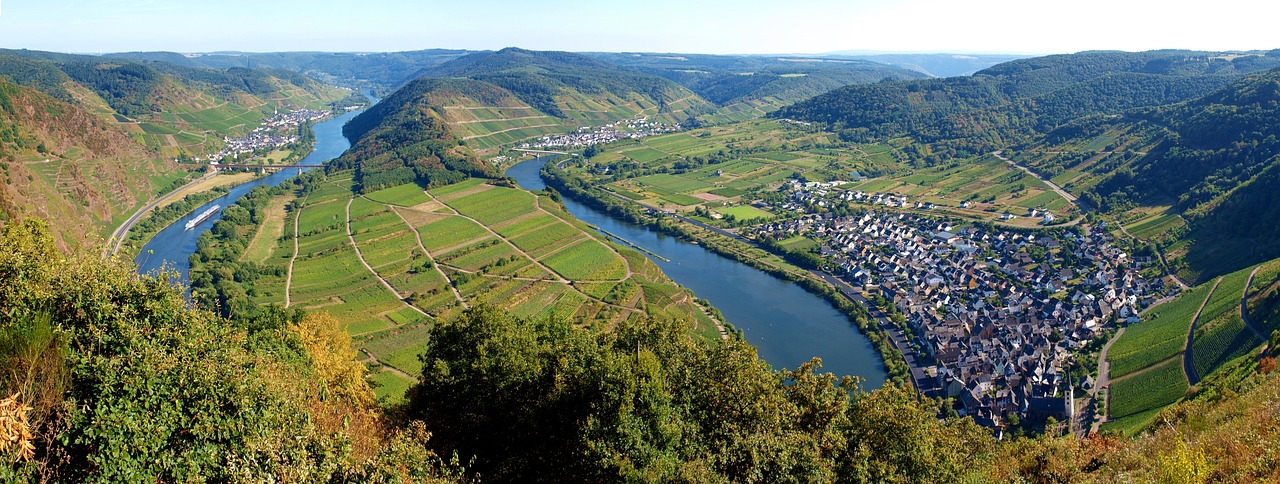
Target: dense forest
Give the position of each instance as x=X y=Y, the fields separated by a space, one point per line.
x=1019 y=100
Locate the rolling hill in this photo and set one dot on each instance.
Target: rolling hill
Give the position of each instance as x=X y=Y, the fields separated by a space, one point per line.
x=765 y=82
x=88 y=140
x=498 y=98
x=1022 y=99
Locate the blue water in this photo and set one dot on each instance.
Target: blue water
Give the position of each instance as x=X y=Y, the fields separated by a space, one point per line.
x=786 y=324
x=173 y=246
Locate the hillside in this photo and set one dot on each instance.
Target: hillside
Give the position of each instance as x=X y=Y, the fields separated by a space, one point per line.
x=1025 y=98
x=493 y=99
x=169 y=108
x=734 y=82
x=381 y=71
x=1202 y=175
x=89 y=140
x=64 y=164
x=404 y=139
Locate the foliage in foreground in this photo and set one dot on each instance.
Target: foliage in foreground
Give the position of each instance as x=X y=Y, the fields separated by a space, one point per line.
x=542 y=400
x=108 y=376
x=126 y=383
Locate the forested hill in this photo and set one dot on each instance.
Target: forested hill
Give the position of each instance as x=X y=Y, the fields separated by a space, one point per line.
x=1020 y=99
x=403 y=139
x=556 y=82
x=728 y=79
x=379 y=70
x=64 y=164
x=170 y=108
x=1214 y=159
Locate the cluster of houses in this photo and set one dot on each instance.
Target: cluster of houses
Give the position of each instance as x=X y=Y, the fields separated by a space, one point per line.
x=276 y=132
x=588 y=136
x=994 y=316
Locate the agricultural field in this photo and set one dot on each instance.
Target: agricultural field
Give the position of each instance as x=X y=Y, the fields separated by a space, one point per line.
x=391 y=264
x=1138 y=398
x=406 y=195
x=725 y=168
x=1221 y=335
x=1162 y=337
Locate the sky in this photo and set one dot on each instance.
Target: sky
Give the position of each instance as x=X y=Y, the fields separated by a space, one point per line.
x=685 y=26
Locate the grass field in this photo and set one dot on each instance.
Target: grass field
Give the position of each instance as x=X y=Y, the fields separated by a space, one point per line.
x=745 y=212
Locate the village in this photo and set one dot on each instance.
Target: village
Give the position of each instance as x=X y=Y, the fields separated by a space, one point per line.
x=990 y=318
x=589 y=136
x=275 y=132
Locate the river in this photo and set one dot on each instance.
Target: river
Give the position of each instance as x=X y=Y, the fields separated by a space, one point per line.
x=786 y=324
x=173 y=246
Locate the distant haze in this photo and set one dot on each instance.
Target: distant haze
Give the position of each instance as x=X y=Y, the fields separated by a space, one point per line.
x=711 y=26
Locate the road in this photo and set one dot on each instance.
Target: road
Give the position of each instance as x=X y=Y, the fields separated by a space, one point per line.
x=1104 y=378
x=1244 y=308
x=1188 y=359
x=118 y=237
x=1054 y=186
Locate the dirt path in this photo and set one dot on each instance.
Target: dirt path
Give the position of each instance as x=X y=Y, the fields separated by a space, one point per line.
x=499 y=119
x=1188 y=361
x=509 y=129
x=457 y=295
x=1070 y=198
x=535 y=261
x=1244 y=308
x=373 y=358
x=288 y=277
x=366 y=265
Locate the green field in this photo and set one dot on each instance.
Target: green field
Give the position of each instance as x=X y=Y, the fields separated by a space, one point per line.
x=404 y=195
x=512 y=269
x=745 y=212
x=1152 y=389
x=1163 y=337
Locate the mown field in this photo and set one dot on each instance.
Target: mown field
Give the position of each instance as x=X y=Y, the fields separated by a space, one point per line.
x=439 y=252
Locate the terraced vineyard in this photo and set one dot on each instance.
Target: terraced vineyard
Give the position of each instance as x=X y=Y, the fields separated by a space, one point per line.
x=1221 y=335
x=1163 y=337
x=392 y=263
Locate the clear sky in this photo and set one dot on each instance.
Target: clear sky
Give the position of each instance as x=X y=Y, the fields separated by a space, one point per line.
x=689 y=26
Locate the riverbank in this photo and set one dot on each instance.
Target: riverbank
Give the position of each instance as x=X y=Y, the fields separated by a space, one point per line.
x=748 y=255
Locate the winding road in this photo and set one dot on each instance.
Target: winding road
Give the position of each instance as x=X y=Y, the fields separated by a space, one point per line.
x=118 y=236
